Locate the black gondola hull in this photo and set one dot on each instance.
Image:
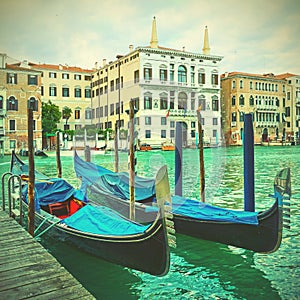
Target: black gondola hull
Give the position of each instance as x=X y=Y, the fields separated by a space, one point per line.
x=130 y=251
x=263 y=238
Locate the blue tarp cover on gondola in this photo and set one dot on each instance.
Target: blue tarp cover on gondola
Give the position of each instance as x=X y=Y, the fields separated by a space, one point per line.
x=103 y=220
x=52 y=191
x=199 y=210
x=116 y=184
x=110 y=182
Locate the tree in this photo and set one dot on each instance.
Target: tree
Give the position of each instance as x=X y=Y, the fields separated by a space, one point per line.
x=50 y=117
x=66 y=114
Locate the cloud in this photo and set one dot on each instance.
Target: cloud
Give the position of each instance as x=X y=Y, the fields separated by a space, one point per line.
x=252 y=36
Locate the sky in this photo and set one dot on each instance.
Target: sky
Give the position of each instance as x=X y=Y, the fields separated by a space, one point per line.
x=254 y=36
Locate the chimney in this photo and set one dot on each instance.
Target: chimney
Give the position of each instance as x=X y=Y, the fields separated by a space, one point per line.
x=104 y=62
x=96 y=66
x=130 y=48
x=183 y=48
x=2 y=60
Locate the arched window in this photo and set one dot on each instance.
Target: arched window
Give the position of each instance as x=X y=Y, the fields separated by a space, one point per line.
x=33 y=104
x=251 y=101
x=241 y=100
x=233 y=101
x=12 y=103
x=182 y=100
x=1 y=102
x=182 y=74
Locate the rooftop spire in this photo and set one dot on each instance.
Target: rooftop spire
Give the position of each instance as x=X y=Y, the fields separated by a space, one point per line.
x=154 y=40
x=206 y=49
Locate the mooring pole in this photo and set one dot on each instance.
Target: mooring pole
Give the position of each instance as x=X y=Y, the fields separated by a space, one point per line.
x=132 y=160
x=87 y=153
x=58 y=161
x=248 y=146
x=178 y=159
x=116 y=147
x=31 y=205
x=201 y=157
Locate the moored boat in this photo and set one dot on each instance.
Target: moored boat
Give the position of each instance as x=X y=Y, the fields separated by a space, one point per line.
x=256 y=231
x=64 y=212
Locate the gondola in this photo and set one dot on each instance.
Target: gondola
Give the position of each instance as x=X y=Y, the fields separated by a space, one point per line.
x=65 y=213
x=257 y=231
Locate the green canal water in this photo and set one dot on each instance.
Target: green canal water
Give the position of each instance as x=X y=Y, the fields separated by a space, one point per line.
x=199 y=269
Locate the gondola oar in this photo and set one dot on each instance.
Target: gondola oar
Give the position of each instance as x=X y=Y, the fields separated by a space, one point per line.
x=201 y=156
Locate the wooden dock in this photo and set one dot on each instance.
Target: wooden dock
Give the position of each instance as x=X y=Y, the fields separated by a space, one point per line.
x=27 y=270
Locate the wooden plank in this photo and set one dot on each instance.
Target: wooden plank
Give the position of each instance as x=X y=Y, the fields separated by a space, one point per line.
x=71 y=292
x=28 y=270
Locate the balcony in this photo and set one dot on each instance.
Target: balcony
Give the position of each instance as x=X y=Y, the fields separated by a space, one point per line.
x=157 y=81
x=264 y=107
x=182 y=113
x=233 y=124
x=2 y=131
x=266 y=124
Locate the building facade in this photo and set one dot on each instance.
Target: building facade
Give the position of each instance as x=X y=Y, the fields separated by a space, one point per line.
x=292 y=109
x=67 y=87
x=167 y=86
x=262 y=95
x=19 y=88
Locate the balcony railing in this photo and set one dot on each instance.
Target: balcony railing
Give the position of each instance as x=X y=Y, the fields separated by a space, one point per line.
x=266 y=107
x=266 y=123
x=157 y=81
x=182 y=113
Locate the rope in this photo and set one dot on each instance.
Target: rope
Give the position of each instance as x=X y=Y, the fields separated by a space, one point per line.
x=48 y=228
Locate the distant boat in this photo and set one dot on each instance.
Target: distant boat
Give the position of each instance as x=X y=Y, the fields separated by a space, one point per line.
x=167 y=146
x=145 y=147
x=276 y=143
